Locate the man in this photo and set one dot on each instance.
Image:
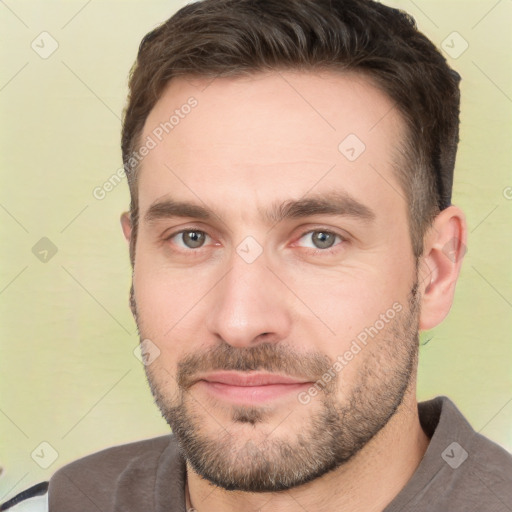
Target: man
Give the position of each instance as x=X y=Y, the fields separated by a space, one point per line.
x=291 y=230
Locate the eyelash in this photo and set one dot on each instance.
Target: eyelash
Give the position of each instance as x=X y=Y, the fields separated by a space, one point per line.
x=330 y=250
x=311 y=250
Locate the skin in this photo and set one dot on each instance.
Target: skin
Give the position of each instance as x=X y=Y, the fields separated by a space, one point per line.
x=252 y=142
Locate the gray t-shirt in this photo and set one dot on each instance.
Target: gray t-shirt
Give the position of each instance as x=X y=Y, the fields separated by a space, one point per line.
x=461 y=471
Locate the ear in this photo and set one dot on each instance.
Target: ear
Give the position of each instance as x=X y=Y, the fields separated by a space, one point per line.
x=126 y=224
x=443 y=252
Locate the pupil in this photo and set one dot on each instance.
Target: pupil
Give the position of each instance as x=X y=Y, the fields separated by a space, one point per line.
x=323 y=240
x=193 y=239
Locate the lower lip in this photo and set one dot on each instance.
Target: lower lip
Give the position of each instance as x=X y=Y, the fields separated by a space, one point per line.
x=251 y=394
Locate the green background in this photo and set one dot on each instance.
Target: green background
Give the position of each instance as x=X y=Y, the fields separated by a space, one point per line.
x=69 y=376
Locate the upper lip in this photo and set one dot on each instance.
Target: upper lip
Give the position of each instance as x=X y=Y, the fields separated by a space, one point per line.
x=250 y=379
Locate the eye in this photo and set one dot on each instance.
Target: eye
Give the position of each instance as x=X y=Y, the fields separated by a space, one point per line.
x=320 y=239
x=189 y=239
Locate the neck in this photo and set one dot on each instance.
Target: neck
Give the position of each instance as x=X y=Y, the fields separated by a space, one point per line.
x=368 y=482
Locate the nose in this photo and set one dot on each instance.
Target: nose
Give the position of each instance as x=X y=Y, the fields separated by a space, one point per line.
x=249 y=305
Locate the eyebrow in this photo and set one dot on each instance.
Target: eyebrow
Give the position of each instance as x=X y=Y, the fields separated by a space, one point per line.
x=330 y=203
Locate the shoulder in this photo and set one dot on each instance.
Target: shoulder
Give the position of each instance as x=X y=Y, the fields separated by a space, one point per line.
x=461 y=470
x=99 y=471
x=116 y=478
x=469 y=468
x=492 y=466
x=110 y=462
x=482 y=452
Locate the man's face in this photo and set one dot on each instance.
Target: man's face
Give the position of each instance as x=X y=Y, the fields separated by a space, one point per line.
x=301 y=273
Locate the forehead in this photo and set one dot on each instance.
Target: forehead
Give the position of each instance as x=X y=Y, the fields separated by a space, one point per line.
x=270 y=136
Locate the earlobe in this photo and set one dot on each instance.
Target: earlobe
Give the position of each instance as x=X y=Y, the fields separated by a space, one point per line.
x=126 y=225
x=445 y=246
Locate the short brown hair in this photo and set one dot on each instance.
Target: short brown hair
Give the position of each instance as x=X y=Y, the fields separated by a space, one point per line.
x=220 y=38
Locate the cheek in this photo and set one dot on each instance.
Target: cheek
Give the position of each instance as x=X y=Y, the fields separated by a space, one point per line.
x=159 y=310
x=353 y=295
x=164 y=296
x=349 y=300
x=170 y=311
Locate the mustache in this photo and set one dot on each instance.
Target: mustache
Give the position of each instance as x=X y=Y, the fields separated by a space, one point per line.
x=270 y=357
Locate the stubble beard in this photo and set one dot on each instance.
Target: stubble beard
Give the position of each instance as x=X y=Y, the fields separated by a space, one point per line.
x=330 y=436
